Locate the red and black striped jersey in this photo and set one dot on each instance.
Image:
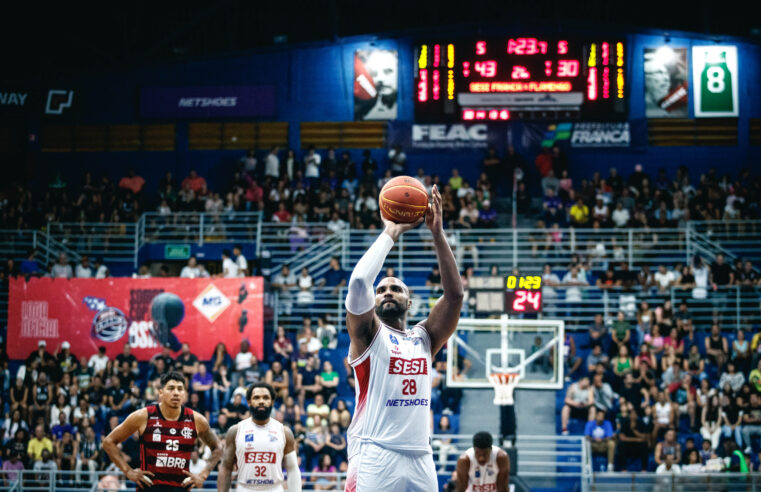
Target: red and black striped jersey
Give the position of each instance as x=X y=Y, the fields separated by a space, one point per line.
x=165 y=446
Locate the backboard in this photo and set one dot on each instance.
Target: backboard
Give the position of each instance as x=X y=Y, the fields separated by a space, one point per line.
x=480 y=347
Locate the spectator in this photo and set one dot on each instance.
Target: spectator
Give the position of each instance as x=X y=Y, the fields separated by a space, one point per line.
x=337 y=444
x=66 y=453
x=340 y=415
x=620 y=215
x=132 y=182
x=307 y=381
x=45 y=464
x=732 y=377
x=335 y=277
x=716 y=347
x=305 y=295
x=668 y=466
x=544 y=161
x=235 y=411
x=11 y=468
x=282 y=346
x=314 y=441
x=279 y=379
x=202 y=383
x=710 y=421
x=188 y=361
x=668 y=447
x=621 y=333
x=326 y=333
x=230 y=269
x=42 y=396
x=312 y=161
x=604 y=396
x=599 y=433
x=30 y=267
x=741 y=352
x=240 y=260
x=574 y=280
x=633 y=439
x=664 y=279
x=751 y=421
x=487 y=216
x=194 y=182
x=62 y=269
x=328 y=380
x=663 y=414
x=596 y=357
x=193 y=269
x=622 y=363
x=83 y=268
x=99 y=361
x=89 y=456
x=455 y=181
x=307 y=338
x=397 y=161
x=221 y=387
x=243 y=361
x=83 y=411
x=579 y=403
x=196 y=465
x=721 y=273
x=319 y=407
x=579 y=213
x=272 y=164
x=38 y=444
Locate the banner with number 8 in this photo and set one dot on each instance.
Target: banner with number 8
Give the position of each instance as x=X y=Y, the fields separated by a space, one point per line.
x=715 y=72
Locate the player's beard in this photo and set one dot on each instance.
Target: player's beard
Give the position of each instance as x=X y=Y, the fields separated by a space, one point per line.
x=260 y=414
x=392 y=312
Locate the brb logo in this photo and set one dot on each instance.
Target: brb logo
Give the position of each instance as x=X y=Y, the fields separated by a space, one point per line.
x=58 y=100
x=260 y=457
x=211 y=303
x=170 y=462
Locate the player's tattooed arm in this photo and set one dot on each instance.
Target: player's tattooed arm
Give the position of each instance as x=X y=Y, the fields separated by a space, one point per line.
x=224 y=478
x=463 y=467
x=210 y=439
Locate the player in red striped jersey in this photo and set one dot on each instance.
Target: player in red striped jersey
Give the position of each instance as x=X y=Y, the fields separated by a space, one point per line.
x=168 y=432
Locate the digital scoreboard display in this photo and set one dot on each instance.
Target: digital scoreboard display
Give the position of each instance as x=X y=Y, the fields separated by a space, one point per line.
x=522 y=78
x=523 y=294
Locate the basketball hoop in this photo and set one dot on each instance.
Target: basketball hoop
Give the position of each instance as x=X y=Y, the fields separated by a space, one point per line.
x=504 y=385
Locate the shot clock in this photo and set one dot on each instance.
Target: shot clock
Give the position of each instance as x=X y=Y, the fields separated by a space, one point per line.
x=523 y=294
x=527 y=78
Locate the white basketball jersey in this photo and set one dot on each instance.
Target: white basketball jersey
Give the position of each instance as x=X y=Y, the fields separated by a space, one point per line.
x=393 y=392
x=259 y=449
x=482 y=478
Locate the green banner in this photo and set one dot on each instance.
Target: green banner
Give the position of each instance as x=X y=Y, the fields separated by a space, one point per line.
x=714 y=69
x=176 y=251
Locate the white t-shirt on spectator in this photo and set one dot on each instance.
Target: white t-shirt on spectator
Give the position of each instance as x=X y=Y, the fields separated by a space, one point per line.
x=98 y=363
x=313 y=344
x=664 y=279
x=243 y=361
x=621 y=217
x=62 y=271
x=230 y=268
x=548 y=291
x=661 y=470
x=573 y=293
x=89 y=413
x=272 y=166
x=336 y=225
x=83 y=272
x=312 y=166
x=242 y=265
x=102 y=272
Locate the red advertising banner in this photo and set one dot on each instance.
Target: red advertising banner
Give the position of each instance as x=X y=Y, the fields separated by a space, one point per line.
x=146 y=313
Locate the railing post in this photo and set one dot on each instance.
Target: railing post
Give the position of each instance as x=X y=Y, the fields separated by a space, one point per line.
x=515 y=247
x=737 y=307
x=259 y=236
x=573 y=240
x=137 y=241
x=201 y=226
x=276 y=309
x=345 y=240
x=630 y=239
x=339 y=312
x=688 y=242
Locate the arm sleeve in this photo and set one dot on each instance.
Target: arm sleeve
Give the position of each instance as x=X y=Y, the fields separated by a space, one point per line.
x=294 y=474
x=360 y=298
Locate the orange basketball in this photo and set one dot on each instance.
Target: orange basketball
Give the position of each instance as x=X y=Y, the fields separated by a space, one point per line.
x=403 y=200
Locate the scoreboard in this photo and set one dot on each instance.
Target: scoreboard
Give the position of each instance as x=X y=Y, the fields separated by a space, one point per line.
x=527 y=78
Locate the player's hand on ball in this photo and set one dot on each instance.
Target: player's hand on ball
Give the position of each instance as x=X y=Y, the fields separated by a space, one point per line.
x=192 y=480
x=395 y=230
x=141 y=477
x=433 y=217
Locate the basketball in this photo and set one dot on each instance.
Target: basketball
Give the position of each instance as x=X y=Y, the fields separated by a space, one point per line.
x=403 y=200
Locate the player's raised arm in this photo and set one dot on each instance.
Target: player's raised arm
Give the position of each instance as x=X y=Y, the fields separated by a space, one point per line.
x=135 y=422
x=445 y=313
x=224 y=478
x=361 y=321
x=291 y=462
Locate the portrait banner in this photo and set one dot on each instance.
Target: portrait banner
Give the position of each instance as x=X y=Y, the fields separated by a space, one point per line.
x=666 y=82
x=144 y=313
x=376 y=84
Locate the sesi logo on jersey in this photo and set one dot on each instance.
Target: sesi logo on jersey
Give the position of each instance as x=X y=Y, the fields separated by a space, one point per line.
x=260 y=457
x=407 y=367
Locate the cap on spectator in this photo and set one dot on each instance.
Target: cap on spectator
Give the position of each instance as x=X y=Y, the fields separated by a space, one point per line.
x=65 y=345
x=486 y=203
x=42 y=343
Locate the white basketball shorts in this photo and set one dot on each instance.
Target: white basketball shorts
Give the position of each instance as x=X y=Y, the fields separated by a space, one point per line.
x=377 y=469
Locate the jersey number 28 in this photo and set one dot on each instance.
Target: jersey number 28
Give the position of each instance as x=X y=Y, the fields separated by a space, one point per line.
x=409 y=387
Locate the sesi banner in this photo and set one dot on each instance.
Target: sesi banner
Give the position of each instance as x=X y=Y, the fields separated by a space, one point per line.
x=89 y=313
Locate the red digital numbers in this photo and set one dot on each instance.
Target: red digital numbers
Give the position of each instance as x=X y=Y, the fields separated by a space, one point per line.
x=568 y=68
x=526 y=46
x=522 y=297
x=592 y=84
x=480 y=47
x=465 y=69
x=436 y=89
x=562 y=47
x=548 y=68
x=487 y=68
x=436 y=55
x=520 y=72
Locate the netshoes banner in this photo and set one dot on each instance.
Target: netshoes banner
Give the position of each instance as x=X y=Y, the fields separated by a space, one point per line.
x=146 y=313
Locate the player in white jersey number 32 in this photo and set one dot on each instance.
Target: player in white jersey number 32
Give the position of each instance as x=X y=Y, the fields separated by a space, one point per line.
x=484 y=467
x=389 y=442
x=262 y=447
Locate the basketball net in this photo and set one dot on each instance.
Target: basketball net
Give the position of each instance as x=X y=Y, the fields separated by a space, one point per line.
x=504 y=385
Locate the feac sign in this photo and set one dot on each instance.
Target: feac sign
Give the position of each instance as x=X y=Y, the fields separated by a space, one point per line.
x=450 y=136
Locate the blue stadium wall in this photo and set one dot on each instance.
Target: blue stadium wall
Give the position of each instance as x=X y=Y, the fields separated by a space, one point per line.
x=314 y=83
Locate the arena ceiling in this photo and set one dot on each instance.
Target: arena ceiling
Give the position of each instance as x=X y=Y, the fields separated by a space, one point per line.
x=41 y=41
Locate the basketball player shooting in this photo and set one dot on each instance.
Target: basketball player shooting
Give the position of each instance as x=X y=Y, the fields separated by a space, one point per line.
x=262 y=447
x=168 y=434
x=484 y=467
x=389 y=438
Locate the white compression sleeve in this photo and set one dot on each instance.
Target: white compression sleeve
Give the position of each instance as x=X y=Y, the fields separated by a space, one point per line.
x=294 y=474
x=360 y=297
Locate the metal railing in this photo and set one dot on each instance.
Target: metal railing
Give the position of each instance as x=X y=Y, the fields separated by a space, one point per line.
x=301 y=244
x=198 y=228
x=683 y=482
x=113 y=242
x=16 y=244
x=736 y=238
x=732 y=306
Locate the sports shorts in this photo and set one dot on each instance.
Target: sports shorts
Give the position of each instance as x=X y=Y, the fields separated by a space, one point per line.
x=377 y=469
